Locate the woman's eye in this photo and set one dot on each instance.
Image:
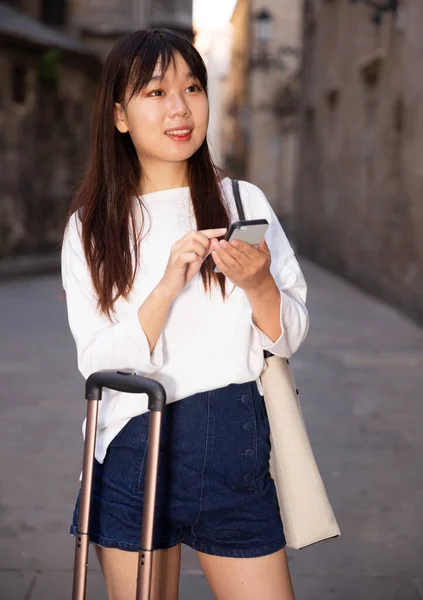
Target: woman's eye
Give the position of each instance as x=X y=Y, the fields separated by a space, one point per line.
x=156 y=93
x=194 y=88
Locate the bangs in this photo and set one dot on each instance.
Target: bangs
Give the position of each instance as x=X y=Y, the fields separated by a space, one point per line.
x=157 y=49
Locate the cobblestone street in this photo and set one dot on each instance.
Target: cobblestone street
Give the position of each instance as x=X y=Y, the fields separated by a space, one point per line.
x=360 y=376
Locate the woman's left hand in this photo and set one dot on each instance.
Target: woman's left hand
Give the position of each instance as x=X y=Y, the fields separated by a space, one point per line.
x=245 y=266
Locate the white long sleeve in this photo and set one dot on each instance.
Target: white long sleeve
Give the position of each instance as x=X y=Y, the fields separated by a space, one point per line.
x=100 y=343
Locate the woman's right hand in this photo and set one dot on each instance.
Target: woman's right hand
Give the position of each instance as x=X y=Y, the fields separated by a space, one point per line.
x=185 y=260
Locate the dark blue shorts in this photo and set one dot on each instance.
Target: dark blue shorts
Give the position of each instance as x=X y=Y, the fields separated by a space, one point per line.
x=214 y=492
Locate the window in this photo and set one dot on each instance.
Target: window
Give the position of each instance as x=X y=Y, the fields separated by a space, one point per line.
x=54 y=12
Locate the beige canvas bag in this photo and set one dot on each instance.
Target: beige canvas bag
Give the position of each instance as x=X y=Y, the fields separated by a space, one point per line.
x=306 y=513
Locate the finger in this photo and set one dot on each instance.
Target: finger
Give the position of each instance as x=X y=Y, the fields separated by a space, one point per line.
x=236 y=252
x=204 y=240
x=232 y=257
x=199 y=236
x=213 y=233
x=212 y=246
x=263 y=247
x=196 y=246
x=220 y=263
x=188 y=257
x=245 y=248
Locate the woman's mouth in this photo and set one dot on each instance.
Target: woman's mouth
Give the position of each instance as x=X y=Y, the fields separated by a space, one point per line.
x=180 y=135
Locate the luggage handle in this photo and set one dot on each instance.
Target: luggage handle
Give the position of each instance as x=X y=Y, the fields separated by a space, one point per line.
x=126 y=381
x=122 y=381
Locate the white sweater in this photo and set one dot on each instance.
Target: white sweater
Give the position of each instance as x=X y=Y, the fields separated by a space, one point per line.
x=207 y=343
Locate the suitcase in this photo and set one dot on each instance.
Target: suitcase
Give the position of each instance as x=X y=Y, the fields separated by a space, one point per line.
x=122 y=381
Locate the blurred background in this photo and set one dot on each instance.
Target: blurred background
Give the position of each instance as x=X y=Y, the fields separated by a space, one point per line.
x=320 y=104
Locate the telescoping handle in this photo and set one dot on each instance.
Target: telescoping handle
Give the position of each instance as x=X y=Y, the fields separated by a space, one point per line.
x=126 y=381
x=130 y=382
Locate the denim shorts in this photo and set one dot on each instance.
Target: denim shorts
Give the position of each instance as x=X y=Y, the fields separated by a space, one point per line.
x=214 y=491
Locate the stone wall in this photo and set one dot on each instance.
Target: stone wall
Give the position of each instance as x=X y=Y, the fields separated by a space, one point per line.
x=44 y=139
x=359 y=197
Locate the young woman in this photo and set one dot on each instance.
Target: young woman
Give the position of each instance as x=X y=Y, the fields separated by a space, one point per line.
x=140 y=246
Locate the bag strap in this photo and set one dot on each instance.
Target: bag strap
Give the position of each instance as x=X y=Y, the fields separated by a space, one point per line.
x=241 y=214
x=238 y=201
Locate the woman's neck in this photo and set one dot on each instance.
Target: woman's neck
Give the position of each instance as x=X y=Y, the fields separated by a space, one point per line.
x=163 y=176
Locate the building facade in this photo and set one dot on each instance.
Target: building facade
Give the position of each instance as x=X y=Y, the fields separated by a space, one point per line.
x=260 y=131
x=100 y=23
x=359 y=204
x=51 y=53
x=274 y=65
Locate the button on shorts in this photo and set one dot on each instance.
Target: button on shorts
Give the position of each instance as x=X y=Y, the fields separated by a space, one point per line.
x=214 y=490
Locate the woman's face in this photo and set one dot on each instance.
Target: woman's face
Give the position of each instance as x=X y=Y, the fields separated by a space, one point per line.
x=168 y=119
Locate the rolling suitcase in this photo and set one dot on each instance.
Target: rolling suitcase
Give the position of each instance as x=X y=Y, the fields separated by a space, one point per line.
x=122 y=381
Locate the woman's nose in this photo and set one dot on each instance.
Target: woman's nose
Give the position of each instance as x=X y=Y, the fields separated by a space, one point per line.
x=178 y=106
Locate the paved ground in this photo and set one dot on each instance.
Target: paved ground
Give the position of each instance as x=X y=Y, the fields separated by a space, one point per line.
x=360 y=375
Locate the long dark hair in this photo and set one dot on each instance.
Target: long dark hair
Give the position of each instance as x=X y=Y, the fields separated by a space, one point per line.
x=104 y=200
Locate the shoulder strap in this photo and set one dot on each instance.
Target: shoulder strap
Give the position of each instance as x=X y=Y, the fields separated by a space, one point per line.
x=241 y=214
x=237 y=196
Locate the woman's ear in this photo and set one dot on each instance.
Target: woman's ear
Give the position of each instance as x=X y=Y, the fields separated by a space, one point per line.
x=120 y=118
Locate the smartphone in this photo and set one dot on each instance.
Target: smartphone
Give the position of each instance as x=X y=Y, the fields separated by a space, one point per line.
x=251 y=232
